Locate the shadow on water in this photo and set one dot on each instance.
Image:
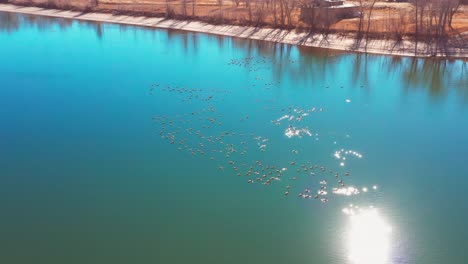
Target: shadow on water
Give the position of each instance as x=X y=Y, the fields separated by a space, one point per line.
x=95 y=120
x=11 y=22
x=306 y=66
x=303 y=65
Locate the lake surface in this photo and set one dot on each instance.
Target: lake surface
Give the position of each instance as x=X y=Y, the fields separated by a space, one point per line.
x=123 y=144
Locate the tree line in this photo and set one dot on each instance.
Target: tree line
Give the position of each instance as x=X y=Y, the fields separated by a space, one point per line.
x=431 y=18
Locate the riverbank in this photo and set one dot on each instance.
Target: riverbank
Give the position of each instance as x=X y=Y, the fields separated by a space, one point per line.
x=456 y=47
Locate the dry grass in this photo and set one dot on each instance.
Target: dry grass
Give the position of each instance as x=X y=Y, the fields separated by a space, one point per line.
x=389 y=19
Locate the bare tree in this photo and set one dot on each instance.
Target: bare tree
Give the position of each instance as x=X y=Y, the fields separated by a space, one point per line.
x=454 y=7
x=361 y=16
x=260 y=13
x=248 y=3
x=275 y=18
x=221 y=12
x=369 y=17
x=184 y=7
x=282 y=12
x=416 y=29
x=434 y=17
x=93 y=3
x=289 y=6
x=169 y=11
x=193 y=7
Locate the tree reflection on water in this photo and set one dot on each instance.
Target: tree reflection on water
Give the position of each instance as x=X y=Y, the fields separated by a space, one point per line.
x=302 y=66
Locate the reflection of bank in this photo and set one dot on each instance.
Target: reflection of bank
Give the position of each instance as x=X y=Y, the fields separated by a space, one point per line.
x=367 y=236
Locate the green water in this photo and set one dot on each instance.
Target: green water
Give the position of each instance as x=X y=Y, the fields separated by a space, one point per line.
x=88 y=173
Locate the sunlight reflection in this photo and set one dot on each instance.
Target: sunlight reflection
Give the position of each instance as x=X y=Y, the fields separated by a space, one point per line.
x=346 y=191
x=368 y=236
x=296 y=132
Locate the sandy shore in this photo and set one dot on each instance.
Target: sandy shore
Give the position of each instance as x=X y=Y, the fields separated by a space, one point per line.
x=332 y=41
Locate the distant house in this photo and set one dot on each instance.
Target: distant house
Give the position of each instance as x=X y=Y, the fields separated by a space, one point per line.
x=328 y=3
x=326 y=12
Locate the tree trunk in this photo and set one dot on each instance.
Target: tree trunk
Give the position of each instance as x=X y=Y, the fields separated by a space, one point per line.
x=193 y=7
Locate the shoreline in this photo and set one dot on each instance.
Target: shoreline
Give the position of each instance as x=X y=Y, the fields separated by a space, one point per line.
x=332 y=41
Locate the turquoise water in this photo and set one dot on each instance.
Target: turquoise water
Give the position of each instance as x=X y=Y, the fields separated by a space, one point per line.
x=123 y=144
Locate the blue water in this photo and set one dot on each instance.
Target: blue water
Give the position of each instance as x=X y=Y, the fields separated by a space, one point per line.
x=116 y=145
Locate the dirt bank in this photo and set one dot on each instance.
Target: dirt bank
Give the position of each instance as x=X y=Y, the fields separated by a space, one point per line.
x=452 y=48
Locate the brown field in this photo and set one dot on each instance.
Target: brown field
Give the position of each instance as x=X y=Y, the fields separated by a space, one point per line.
x=387 y=18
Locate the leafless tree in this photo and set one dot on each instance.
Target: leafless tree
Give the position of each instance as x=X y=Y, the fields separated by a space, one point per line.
x=193 y=7
x=184 y=7
x=221 y=11
x=169 y=11
x=361 y=17
x=260 y=13
x=273 y=9
x=289 y=6
x=434 y=17
x=369 y=17
x=453 y=9
x=248 y=4
x=93 y=3
x=282 y=12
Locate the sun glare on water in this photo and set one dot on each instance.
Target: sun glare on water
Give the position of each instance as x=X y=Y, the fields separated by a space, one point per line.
x=368 y=240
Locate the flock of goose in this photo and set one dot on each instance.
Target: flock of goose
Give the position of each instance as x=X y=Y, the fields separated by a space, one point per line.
x=204 y=133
